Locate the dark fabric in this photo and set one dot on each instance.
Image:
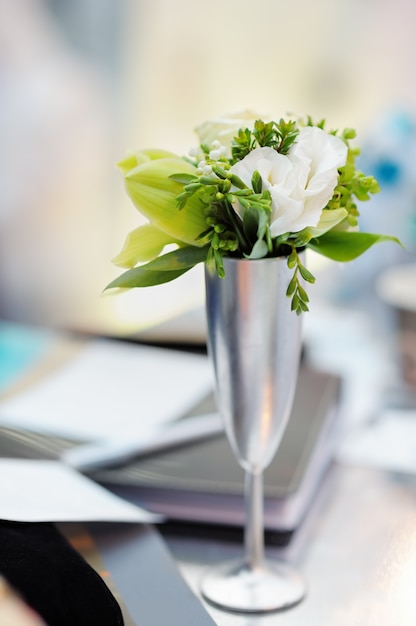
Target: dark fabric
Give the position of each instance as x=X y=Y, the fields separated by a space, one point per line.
x=53 y=578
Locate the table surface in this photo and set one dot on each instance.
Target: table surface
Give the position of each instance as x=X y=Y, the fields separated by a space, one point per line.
x=357 y=547
x=356 y=550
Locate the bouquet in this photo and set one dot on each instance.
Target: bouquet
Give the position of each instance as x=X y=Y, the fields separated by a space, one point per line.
x=251 y=189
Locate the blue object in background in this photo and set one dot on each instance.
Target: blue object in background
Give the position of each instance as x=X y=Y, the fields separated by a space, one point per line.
x=20 y=347
x=388 y=152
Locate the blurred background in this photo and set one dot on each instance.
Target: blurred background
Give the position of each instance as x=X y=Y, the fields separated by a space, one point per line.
x=83 y=82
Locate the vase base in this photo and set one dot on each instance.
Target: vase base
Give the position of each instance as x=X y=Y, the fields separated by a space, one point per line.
x=236 y=587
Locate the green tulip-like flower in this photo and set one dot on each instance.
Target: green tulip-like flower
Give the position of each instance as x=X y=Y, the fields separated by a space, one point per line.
x=154 y=194
x=148 y=182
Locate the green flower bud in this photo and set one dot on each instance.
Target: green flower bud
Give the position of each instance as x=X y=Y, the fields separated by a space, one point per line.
x=155 y=195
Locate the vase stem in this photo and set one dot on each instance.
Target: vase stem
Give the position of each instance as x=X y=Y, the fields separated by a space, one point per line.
x=254 y=341
x=254 y=533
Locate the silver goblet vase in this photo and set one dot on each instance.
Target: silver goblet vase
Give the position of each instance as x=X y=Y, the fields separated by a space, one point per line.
x=254 y=342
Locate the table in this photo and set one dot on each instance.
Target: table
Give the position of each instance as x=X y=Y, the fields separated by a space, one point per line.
x=357 y=550
x=357 y=547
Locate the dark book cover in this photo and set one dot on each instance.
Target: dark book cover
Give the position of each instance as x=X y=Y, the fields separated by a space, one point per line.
x=203 y=483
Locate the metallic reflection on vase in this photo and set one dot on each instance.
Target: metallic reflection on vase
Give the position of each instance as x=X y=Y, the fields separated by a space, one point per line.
x=254 y=342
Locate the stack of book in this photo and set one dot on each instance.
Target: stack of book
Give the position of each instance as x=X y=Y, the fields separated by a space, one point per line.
x=202 y=484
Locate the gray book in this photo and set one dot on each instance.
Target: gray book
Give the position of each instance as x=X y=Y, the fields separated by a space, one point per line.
x=202 y=483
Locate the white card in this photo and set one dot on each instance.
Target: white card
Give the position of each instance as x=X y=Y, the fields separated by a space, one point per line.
x=111 y=390
x=49 y=491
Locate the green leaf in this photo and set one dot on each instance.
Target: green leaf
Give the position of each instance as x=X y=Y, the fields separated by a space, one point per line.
x=250 y=222
x=292 y=259
x=302 y=293
x=259 y=250
x=263 y=224
x=143 y=244
x=256 y=182
x=346 y=246
x=141 y=277
x=292 y=286
x=295 y=303
x=184 y=179
x=219 y=265
x=179 y=259
x=162 y=269
x=306 y=274
x=328 y=219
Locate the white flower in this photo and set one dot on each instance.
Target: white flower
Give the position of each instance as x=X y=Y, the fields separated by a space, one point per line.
x=215 y=155
x=302 y=182
x=207 y=170
x=224 y=129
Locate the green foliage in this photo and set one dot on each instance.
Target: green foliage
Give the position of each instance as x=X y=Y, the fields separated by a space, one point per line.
x=278 y=135
x=163 y=269
x=295 y=288
x=346 y=246
x=205 y=209
x=227 y=233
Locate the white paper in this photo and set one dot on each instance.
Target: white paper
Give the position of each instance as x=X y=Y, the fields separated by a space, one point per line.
x=112 y=390
x=48 y=491
x=388 y=443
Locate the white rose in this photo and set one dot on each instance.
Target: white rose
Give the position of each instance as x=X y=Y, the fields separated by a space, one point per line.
x=225 y=128
x=302 y=182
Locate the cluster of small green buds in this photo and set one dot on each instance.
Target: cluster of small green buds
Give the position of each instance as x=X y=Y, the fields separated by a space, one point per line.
x=295 y=290
x=224 y=243
x=219 y=234
x=207 y=156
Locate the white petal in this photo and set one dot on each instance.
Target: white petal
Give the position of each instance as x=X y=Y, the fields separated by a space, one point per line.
x=302 y=182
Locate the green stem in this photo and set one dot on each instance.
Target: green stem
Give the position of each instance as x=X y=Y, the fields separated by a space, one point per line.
x=237 y=224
